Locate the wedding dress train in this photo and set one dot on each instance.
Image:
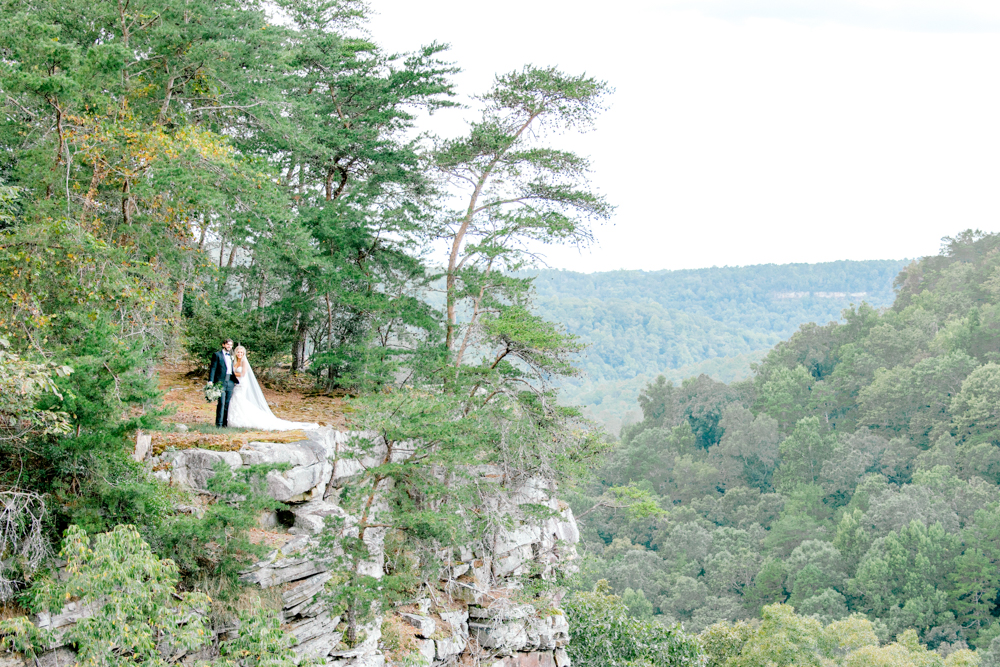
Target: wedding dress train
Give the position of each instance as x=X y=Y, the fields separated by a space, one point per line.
x=249 y=409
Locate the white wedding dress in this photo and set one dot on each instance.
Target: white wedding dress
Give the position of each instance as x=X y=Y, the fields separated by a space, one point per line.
x=249 y=409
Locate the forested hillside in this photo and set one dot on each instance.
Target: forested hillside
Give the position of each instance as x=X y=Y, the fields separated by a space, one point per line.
x=857 y=471
x=178 y=172
x=717 y=321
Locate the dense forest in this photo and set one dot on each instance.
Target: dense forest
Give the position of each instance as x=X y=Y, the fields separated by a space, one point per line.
x=856 y=472
x=715 y=321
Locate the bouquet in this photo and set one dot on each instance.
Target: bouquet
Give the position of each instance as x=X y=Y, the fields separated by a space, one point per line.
x=213 y=390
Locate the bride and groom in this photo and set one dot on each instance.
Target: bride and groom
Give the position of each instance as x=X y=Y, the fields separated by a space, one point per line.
x=242 y=403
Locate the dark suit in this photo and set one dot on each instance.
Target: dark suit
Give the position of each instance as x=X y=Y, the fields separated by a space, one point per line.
x=217 y=373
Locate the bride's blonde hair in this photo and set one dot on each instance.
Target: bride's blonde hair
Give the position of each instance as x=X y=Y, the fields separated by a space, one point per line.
x=238 y=348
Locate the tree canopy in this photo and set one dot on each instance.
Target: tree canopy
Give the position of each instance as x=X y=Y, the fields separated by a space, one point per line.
x=855 y=472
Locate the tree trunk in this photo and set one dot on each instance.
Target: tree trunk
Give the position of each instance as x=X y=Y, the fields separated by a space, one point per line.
x=88 y=200
x=475 y=315
x=296 y=362
x=166 y=100
x=127 y=203
x=329 y=340
x=179 y=312
x=263 y=290
x=299 y=346
x=453 y=262
x=352 y=625
x=204 y=230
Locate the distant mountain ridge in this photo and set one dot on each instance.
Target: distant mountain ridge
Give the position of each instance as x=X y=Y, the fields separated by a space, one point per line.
x=718 y=320
x=820 y=295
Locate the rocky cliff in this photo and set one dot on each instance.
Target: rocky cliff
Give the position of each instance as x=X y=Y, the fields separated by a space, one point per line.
x=469 y=615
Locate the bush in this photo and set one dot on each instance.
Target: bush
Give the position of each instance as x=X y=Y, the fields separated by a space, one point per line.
x=138 y=613
x=605 y=635
x=216 y=546
x=784 y=638
x=723 y=641
x=207 y=323
x=260 y=641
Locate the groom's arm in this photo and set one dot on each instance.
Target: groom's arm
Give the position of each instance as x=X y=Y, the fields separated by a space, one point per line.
x=212 y=368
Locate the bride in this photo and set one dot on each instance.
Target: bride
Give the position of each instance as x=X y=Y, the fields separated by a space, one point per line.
x=248 y=408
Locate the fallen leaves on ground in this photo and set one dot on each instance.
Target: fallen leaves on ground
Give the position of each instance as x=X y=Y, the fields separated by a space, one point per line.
x=270 y=538
x=220 y=442
x=185 y=395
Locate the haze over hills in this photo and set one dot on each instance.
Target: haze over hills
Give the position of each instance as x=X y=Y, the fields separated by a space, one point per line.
x=718 y=321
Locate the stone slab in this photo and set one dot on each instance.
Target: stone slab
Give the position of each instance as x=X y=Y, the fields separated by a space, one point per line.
x=424 y=625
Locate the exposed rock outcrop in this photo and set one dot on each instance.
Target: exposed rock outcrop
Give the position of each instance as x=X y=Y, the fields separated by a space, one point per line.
x=468 y=612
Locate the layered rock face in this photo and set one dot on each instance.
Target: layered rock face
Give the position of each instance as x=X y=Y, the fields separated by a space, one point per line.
x=467 y=617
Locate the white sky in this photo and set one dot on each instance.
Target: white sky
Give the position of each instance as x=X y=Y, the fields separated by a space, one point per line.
x=754 y=131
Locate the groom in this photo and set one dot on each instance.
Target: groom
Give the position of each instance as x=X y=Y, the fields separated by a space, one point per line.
x=221 y=371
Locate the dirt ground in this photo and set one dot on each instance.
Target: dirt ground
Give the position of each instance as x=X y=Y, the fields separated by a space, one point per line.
x=184 y=395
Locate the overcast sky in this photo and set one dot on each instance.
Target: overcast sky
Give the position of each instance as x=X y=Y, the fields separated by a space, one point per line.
x=748 y=132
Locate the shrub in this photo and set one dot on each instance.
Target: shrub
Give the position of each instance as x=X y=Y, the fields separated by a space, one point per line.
x=207 y=323
x=605 y=635
x=137 y=612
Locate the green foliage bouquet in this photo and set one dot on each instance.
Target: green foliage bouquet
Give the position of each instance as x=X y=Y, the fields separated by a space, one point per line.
x=213 y=390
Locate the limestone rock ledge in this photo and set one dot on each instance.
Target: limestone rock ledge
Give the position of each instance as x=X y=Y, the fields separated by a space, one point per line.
x=468 y=620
